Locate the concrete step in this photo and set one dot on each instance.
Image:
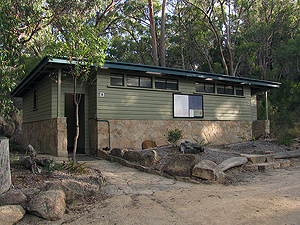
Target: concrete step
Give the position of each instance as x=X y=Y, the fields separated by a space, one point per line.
x=256 y=159
x=268 y=166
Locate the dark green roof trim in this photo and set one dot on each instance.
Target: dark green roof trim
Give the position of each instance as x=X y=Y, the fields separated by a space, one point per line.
x=188 y=73
x=35 y=75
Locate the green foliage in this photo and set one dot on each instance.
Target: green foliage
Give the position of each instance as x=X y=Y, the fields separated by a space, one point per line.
x=51 y=166
x=173 y=136
x=73 y=166
x=201 y=142
x=284 y=111
x=285 y=138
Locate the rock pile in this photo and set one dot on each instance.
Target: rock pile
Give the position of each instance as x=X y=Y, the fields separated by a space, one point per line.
x=49 y=201
x=191 y=162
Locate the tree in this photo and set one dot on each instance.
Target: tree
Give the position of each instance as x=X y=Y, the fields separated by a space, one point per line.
x=78 y=40
x=163 y=34
x=153 y=34
x=20 y=22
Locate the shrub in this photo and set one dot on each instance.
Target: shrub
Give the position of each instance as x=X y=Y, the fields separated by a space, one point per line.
x=173 y=136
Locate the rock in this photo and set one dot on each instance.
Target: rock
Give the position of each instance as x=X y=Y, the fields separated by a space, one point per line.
x=75 y=191
x=49 y=205
x=7 y=126
x=13 y=197
x=287 y=154
x=150 y=158
x=259 y=158
x=5 y=176
x=181 y=165
x=118 y=152
x=208 y=170
x=11 y=214
x=32 y=152
x=232 y=162
x=190 y=148
x=148 y=144
x=132 y=156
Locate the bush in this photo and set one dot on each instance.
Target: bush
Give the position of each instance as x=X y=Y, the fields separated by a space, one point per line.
x=173 y=136
x=284 y=111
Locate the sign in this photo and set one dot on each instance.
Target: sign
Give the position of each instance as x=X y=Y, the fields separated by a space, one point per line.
x=189 y=106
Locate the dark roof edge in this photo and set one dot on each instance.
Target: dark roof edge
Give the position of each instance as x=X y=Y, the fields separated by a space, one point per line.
x=189 y=73
x=147 y=68
x=30 y=76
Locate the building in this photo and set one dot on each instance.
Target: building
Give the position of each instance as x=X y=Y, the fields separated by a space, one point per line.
x=124 y=104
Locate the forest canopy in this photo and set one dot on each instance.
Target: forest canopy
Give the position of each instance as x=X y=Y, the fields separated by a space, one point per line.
x=250 y=38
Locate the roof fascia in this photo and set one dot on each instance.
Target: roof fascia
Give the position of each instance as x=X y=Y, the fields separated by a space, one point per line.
x=188 y=73
x=146 y=68
x=30 y=76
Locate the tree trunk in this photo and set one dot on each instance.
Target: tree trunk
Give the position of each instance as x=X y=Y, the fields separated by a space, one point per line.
x=77 y=120
x=153 y=34
x=163 y=35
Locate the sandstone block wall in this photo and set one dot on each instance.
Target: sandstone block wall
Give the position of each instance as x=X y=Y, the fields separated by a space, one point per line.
x=131 y=133
x=47 y=136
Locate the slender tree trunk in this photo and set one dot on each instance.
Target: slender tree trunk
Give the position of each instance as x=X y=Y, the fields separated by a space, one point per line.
x=77 y=120
x=163 y=35
x=153 y=34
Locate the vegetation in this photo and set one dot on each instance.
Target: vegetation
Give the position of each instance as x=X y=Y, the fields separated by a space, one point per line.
x=201 y=142
x=173 y=136
x=257 y=39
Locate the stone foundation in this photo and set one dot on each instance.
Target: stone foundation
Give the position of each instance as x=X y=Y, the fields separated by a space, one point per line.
x=131 y=133
x=47 y=136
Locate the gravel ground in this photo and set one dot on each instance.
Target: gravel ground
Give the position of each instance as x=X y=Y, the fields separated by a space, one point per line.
x=219 y=153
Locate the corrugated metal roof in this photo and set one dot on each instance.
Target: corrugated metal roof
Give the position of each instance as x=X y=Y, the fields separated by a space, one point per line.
x=37 y=74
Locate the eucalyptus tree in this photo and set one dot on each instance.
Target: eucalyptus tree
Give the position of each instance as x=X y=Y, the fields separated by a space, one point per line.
x=77 y=38
x=224 y=19
x=20 y=22
x=269 y=25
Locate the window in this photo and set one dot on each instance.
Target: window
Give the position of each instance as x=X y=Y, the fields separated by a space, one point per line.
x=117 y=79
x=205 y=87
x=35 y=100
x=225 y=89
x=239 y=90
x=139 y=81
x=165 y=83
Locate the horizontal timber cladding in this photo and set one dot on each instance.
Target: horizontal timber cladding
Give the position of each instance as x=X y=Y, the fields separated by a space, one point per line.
x=114 y=102
x=43 y=102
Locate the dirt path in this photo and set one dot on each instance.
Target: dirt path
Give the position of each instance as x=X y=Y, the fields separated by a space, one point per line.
x=140 y=198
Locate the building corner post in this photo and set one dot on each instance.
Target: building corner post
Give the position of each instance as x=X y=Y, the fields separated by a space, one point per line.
x=267 y=106
x=58 y=92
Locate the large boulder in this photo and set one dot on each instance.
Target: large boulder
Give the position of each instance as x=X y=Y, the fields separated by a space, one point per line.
x=119 y=152
x=148 y=144
x=208 y=170
x=13 y=197
x=150 y=158
x=49 y=205
x=132 y=156
x=11 y=214
x=75 y=191
x=190 y=148
x=181 y=165
x=232 y=162
x=7 y=126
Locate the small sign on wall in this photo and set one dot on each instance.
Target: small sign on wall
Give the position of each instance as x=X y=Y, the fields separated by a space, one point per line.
x=189 y=106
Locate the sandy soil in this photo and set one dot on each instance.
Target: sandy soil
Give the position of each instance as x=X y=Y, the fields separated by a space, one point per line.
x=258 y=198
x=267 y=198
